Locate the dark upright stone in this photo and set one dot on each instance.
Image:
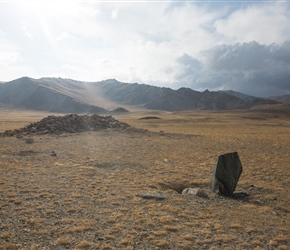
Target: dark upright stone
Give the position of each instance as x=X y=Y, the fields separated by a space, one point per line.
x=226 y=174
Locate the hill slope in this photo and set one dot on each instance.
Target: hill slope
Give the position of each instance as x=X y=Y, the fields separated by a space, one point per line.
x=65 y=95
x=283 y=98
x=152 y=97
x=33 y=94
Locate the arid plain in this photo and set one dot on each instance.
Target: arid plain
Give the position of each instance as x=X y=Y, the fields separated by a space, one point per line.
x=80 y=191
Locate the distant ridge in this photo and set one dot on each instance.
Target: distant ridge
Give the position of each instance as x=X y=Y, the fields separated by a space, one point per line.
x=27 y=93
x=70 y=96
x=239 y=95
x=156 y=98
x=283 y=98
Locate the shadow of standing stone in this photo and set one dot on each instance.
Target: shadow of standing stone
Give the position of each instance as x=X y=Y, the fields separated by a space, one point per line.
x=226 y=174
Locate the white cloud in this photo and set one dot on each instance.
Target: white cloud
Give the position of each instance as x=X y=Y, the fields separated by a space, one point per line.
x=12 y=73
x=9 y=54
x=114 y=14
x=26 y=31
x=264 y=23
x=64 y=36
x=2 y=34
x=156 y=43
x=8 y=58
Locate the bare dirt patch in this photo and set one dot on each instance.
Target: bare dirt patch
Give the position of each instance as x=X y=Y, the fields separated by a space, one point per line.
x=86 y=195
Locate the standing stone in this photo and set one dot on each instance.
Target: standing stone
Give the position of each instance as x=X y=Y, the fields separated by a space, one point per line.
x=226 y=174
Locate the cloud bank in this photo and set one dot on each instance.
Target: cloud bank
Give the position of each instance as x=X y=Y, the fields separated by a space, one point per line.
x=203 y=45
x=252 y=68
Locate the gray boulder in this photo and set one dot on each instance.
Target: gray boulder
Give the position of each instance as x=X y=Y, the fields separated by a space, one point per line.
x=195 y=191
x=226 y=174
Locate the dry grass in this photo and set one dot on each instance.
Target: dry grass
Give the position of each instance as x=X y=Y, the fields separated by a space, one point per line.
x=85 y=197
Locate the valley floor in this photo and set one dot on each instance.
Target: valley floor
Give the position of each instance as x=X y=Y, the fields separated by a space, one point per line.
x=80 y=191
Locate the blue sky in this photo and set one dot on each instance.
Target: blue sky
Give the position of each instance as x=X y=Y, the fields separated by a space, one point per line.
x=215 y=45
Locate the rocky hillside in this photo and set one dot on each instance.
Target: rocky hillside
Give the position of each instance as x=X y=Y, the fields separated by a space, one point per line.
x=69 y=96
x=33 y=94
x=283 y=98
x=156 y=98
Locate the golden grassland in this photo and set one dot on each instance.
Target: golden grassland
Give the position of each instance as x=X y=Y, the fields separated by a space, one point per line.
x=85 y=196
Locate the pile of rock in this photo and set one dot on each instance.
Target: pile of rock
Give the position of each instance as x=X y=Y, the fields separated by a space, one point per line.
x=72 y=123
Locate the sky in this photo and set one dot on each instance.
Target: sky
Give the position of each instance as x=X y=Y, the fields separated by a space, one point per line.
x=215 y=45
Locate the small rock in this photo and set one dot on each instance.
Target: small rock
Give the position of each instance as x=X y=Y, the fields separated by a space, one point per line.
x=33 y=129
x=53 y=153
x=195 y=191
x=29 y=140
x=152 y=196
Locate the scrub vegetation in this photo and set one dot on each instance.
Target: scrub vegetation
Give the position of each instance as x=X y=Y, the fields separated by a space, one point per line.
x=84 y=195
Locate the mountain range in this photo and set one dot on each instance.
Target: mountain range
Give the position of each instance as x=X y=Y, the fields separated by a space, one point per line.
x=70 y=96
